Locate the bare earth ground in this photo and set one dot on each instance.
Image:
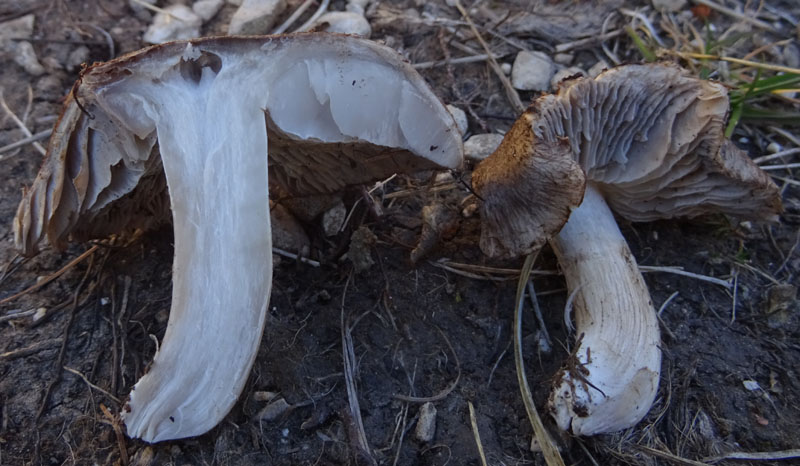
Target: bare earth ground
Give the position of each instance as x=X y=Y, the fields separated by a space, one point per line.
x=416 y=330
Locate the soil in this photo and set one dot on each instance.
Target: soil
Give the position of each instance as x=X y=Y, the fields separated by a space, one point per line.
x=730 y=380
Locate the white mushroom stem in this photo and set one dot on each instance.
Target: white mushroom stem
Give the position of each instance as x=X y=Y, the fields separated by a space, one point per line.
x=612 y=378
x=222 y=271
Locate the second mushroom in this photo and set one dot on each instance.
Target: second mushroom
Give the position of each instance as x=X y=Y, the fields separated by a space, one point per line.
x=646 y=142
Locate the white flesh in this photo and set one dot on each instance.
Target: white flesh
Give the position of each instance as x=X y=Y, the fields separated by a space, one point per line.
x=222 y=270
x=612 y=380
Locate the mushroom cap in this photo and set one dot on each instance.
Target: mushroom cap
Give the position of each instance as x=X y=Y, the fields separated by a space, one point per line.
x=649 y=137
x=339 y=111
x=513 y=181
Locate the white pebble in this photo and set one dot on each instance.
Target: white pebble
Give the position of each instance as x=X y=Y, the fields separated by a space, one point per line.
x=460 y=117
x=774 y=148
x=480 y=146
x=532 y=71
x=345 y=22
x=180 y=22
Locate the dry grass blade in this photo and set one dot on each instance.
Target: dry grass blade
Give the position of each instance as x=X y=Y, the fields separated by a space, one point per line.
x=777 y=155
x=20 y=124
x=294 y=256
x=115 y=424
x=23 y=142
x=294 y=17
x=151 y=7
x=678 y=271
x=441 y=395
x=93 y=386
x=52 y=277
x=759 y=456
x=511 y=93
x=737 y=15
x=675 y=459
x=474 y=422
x=307 y=25
x=349 y=357
x=785 y=166
x=738 y=61
x=452 y=61
x=551 y=455
x=33 y=349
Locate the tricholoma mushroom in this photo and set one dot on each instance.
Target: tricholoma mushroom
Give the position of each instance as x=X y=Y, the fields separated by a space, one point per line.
x=330 y=110
x=649 y=141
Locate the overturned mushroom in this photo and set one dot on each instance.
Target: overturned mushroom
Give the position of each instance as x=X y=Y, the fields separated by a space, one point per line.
x=649 y=140
x=332 y=111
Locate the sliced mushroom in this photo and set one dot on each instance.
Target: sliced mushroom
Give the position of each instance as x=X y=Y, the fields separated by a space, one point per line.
x=331 y=111
x=650 y=141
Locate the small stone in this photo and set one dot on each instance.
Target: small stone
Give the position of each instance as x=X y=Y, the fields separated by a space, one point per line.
x=670 y=6
x=443 y=177
x=563 y=58
x=256 y=17
x=360 y=252
x=480 y=146
x=20 y=28
x=143 y=457
x=460 y=117
x=774 y=148
x=264 y=396
x=207 y=9
x=162 y=316
x=506 y=68
x=532 y=71
x=51 y=64
x=751 y=385
x=25 y=56
x=274 y=410
x=791 y=55
x=307 y=208
x=566 y=73
x=426 y=424
x=287 y=233
x=49 y=87
x=782 y=306
x=469 y=210
x=535 y=446
x=598 y=68
x=77 y=57
x=344 y=22
x=180 y=23
x=39 y=314
x=333 y=219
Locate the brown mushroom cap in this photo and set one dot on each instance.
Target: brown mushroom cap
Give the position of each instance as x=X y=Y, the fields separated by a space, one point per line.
x=650 y=138
x=105 y=149
x=523 y=170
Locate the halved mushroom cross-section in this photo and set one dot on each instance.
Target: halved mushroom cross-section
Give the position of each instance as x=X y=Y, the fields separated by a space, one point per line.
x=649 y=141
x=331 y=111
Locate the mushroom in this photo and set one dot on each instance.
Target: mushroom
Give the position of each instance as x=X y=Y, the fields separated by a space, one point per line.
x=332 y=110
x=649 y=141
